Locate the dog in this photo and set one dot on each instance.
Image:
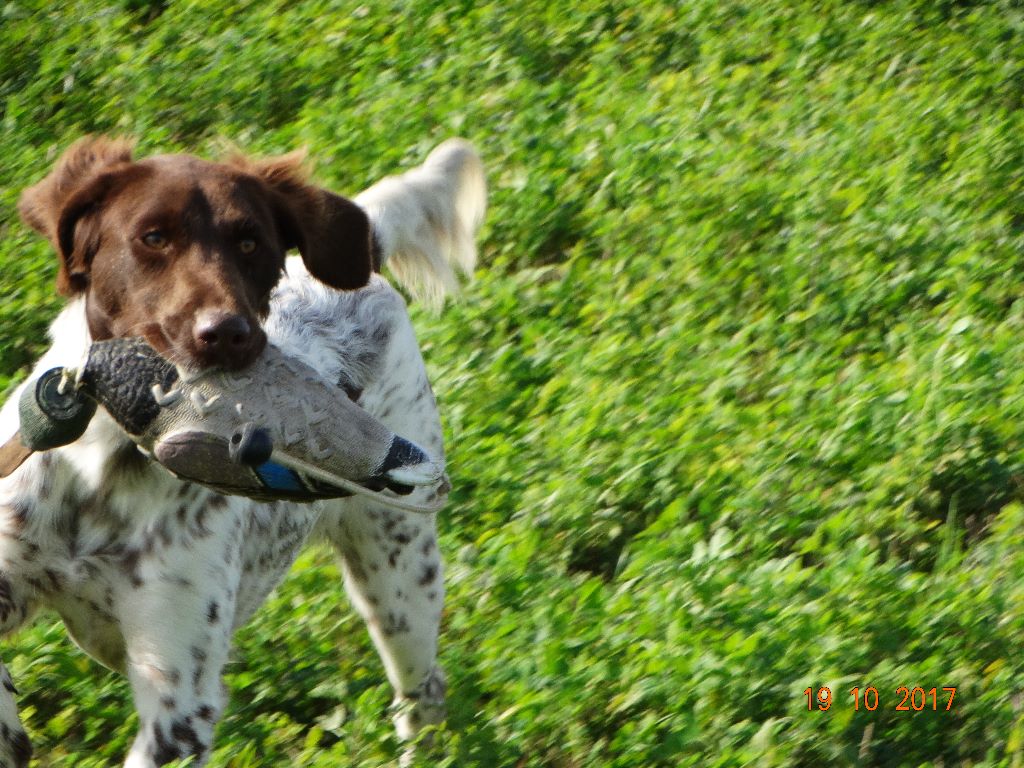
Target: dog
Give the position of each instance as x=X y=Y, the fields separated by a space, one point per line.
x=150 y=574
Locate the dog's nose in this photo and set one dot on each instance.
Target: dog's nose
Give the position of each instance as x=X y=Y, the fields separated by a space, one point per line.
x=223 y=336
x=220 y=330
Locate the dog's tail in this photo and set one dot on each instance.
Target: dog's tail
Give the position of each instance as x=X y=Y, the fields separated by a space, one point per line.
x=425 y=220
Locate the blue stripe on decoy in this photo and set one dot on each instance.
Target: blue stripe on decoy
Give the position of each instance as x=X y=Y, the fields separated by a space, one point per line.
x=279 y=478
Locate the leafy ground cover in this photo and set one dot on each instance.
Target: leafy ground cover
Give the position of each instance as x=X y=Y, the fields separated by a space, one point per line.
x=733 y=404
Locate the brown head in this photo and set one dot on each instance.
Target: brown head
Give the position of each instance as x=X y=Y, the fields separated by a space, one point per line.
x=184 y=252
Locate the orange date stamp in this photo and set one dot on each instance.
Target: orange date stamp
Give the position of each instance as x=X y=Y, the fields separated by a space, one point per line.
x=907 y=699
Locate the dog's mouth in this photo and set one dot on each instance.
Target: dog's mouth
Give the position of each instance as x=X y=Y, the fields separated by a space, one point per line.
x=228 y=360
x=189 y=356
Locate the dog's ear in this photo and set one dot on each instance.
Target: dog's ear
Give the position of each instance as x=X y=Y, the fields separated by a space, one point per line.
x=331 y=233
x=62 y=206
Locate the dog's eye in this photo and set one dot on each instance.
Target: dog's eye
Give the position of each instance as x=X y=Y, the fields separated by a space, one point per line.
x=247 y=245
x=155 y=240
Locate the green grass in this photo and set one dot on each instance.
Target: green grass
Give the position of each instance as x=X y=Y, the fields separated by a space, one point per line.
x=733 y=404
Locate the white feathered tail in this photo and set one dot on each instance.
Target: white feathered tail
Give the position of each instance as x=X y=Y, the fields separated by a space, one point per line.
x=425 y=220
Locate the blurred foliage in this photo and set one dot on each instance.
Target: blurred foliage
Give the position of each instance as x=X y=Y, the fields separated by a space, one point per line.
x=733 y=404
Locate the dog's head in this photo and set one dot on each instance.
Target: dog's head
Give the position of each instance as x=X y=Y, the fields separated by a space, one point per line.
x=184 y=252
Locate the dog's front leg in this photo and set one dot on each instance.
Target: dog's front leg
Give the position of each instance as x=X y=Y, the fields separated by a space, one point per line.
x=175 y=676
x=177 y=626
x=21 y=582
x=15 y=748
